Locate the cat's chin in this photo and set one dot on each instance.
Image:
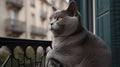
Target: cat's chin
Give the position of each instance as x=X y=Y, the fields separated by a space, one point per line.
x=54 y=29
x=51 y=28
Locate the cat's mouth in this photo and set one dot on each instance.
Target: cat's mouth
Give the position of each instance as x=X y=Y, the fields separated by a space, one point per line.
x=51 y=28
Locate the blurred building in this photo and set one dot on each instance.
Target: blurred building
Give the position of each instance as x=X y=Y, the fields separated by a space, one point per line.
x=27 y=18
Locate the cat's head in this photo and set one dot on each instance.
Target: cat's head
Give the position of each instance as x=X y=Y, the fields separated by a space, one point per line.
x=65 y=22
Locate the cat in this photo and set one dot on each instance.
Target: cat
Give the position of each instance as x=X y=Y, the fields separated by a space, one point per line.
x=73 y=45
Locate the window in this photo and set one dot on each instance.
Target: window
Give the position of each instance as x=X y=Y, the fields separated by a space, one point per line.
x=32 y=19
x=13 y=16
x=67 y=1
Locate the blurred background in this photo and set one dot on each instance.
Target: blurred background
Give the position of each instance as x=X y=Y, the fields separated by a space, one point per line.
x=27 y=18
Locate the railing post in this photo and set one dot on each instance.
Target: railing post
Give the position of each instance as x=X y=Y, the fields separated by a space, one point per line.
x=44 y=55
x=3 y=65
x=11 y=57
x=24 y=52
x=11 y=43
x=35 y=58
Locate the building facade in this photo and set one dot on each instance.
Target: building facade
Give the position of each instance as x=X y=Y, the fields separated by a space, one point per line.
x=27 y=18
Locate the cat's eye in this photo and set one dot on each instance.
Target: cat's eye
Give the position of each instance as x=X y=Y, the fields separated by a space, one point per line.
x=59 y=19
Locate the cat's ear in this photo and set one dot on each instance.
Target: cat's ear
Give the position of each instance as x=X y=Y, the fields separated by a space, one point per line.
x=72 y=8
x=54 y=9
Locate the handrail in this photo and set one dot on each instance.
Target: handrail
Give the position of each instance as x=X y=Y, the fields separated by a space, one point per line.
x=11 y=44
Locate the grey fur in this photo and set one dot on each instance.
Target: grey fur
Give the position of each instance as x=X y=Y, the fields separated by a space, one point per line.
x=76 y=49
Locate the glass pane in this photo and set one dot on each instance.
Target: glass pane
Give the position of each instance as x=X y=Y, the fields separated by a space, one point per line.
x=12 y=16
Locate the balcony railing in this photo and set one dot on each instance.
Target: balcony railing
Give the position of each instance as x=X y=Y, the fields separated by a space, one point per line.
x=15 y=26
x=12 y=61
x=15 y=3
x=38 y=30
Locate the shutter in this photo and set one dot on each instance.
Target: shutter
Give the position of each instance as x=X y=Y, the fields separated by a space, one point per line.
x=108 y=24
x=115 y=25
x=103 y=20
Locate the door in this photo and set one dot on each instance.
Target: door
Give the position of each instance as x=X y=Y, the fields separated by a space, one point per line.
x=102 y=8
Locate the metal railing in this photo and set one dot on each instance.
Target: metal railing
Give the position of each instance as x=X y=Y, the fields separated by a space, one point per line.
x=38 y=30
x=12 y=43
x=15 y=25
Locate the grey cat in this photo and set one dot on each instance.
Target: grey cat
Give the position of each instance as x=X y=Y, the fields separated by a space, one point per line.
x=73 y=45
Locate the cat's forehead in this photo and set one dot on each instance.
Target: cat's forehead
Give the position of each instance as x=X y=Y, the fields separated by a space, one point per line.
x=61 y=13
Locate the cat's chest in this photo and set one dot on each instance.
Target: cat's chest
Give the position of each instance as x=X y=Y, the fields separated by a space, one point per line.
x=58 y=43
x=63 y=43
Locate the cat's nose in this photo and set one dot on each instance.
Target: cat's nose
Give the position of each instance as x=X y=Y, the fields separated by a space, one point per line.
x=51 y=23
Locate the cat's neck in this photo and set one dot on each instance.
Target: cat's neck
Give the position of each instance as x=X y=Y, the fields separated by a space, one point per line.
x=77 y=32
x=79 y=35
